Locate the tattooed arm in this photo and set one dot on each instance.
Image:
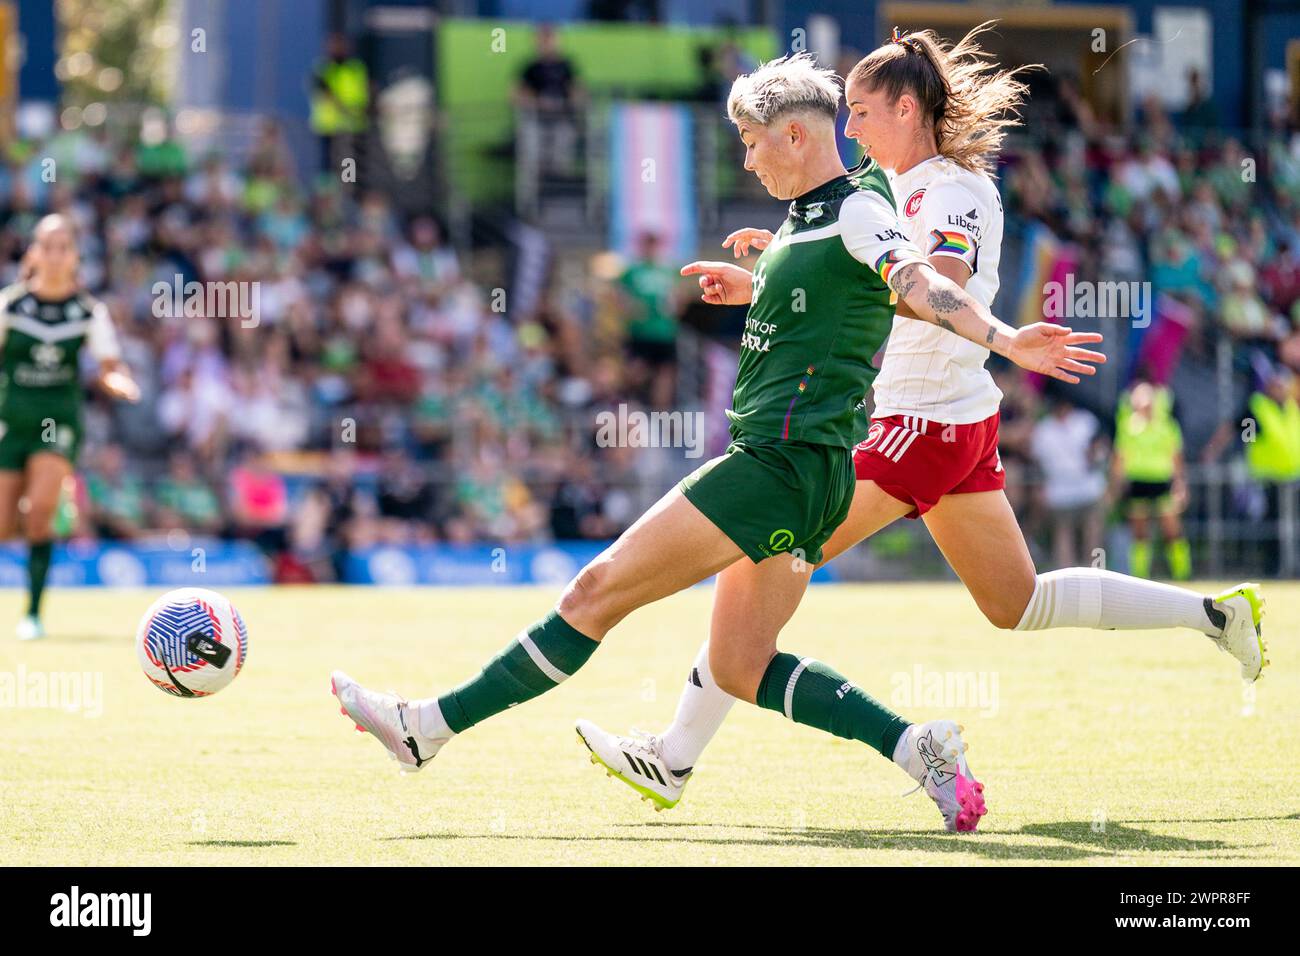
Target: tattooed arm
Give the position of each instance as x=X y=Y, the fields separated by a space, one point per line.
x=933 y=298
x=1042 y=347
x=946 y=266
x=872 y=234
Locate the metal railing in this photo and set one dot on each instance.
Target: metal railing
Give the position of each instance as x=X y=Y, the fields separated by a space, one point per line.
x=1228 y=538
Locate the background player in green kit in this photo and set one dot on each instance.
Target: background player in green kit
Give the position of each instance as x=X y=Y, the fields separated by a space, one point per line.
x=45 y=321
x=821 y=306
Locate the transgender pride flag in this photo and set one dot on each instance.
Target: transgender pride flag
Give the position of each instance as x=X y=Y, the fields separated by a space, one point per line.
x=652 y=178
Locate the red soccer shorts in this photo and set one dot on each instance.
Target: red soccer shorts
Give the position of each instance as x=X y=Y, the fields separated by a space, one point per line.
x=918 y=461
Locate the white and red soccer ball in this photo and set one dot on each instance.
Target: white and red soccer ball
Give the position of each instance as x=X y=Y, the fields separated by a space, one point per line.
x=191 y=642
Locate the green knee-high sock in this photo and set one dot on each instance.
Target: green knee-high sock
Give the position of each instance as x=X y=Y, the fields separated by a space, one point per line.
x=1179 y=555
x=1139 y=559
x=38 y=567
x=531 y=664
x=809 y=692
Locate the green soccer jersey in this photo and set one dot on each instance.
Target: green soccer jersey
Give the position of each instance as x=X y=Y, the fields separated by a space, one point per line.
x=40 y=354
x=820 y=311
x=651 y=286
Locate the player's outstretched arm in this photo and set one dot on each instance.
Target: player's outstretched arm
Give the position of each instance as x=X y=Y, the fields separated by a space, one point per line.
x=1042 y=347
x=116 y=381
x=722 y=283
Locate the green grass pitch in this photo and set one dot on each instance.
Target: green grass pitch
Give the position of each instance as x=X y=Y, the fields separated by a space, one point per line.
x=1130 y=748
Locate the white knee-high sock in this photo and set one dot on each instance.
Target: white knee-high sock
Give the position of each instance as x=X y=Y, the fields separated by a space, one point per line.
x=1091 y=597
x=701 y=710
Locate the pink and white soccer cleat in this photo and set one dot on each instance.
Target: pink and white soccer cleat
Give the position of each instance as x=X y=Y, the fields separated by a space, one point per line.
x=934 y=755
x=389 y=718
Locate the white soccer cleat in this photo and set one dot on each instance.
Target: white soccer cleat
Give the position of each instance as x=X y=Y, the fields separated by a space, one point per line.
x=30 y=629
x=638 y=762
x=934 y=756
x=1242 y=635
x=389 y=718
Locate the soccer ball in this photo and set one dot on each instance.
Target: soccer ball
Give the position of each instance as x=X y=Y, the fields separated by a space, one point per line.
x=191 y=642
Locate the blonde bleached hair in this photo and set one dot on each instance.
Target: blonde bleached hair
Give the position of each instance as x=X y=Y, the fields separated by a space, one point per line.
x=791 y=84
x=55 y=222
x=964 y=95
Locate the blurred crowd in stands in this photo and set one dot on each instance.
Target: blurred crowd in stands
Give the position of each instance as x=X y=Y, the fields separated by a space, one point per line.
x=386 y=393
x=1209 y=229
x=376 y=394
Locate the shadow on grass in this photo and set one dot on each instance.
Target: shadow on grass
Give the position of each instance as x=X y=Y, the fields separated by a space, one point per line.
x=53 y=640
x=1077 y=840
x=805 y=837
x=1123 y=835
x=1118 y=835
x=1289 y=816
x=242 y=843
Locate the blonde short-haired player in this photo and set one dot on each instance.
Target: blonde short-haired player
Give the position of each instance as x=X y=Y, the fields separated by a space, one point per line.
x=932 y=115
x=786 y=482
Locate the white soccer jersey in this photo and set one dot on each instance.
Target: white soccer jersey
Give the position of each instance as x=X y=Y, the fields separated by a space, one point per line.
x=928 y=371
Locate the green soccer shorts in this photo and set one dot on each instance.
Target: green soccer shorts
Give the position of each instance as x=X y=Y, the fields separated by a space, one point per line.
x=19 y=440
x=772 y=497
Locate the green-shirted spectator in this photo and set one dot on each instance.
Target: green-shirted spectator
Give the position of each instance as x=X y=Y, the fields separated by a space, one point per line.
x=648 y=286
x=117 y=499
x=185 y=500
x=1233 y=190
x=164 y=158
x=432 y=419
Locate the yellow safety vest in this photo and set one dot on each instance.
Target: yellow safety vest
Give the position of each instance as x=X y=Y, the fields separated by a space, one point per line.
x=1149 y=449
x=1274 y=455
x=349 y=82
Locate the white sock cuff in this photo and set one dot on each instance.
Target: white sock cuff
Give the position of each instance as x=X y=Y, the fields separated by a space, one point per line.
x=1031 y=608
x=1066 y=597
x=900 y=749
x=429 y=720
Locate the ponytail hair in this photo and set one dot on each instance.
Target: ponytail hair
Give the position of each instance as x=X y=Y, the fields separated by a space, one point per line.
x=967 y=100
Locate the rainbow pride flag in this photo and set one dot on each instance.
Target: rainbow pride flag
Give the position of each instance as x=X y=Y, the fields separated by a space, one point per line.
x=941 y=241
x=1045 y=259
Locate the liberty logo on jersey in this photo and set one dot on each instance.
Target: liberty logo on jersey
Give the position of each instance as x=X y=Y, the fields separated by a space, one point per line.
x=967 y=222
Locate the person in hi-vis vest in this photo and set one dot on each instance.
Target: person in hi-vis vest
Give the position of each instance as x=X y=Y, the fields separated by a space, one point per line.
x=340 y=97
x=1148 y=468
x=1268 y=427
